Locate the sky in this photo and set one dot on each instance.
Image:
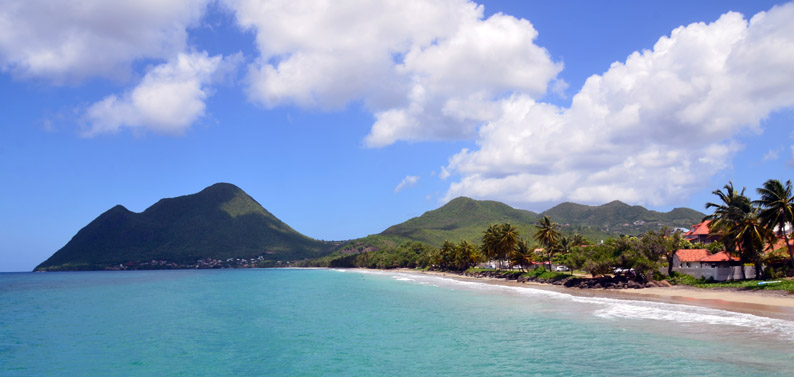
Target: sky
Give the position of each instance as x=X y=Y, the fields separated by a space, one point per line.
x=343 y=118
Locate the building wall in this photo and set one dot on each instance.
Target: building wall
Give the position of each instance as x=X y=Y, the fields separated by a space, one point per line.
x=718 y=273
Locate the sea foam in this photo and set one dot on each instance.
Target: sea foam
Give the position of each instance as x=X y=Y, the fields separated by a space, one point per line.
x=617 y=309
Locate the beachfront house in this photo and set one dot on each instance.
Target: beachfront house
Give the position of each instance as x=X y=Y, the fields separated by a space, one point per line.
x=700 y=233
x=701 y=263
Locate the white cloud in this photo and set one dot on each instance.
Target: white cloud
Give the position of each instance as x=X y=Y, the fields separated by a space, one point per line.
x=444 y=173
x=773 y=154
x=649 y=130
x=428 y=70
x=67 y=41
x=168 y=99
x=408 y=181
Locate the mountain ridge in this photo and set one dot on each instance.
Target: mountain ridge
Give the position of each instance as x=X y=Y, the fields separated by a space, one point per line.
x=610 y=219
x=219 y=222
x=222 y=223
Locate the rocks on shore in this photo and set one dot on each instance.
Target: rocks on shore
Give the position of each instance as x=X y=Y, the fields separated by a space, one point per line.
x=603 y=282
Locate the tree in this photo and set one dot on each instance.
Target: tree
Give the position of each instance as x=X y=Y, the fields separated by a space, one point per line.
x=750 y=236
x=490 y=242
x=595 y=259
x=727 y=216
x=674 y=241
x=507 y=240
x=579 y=240
x=466 y=255
x=651 y=247
x=777 y=210
x=547 y=235
x=499 y=241
x=445 y=257
x=565 y=244
x=522 y=255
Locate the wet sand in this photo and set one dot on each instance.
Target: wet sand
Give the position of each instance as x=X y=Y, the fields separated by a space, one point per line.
x=774 y=304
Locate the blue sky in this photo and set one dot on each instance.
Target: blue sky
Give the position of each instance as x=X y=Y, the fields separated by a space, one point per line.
x=343 y=118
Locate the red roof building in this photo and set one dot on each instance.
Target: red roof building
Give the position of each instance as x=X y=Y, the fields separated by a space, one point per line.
x=780 y=244
x=692 y=255
x=720 y=257
x=700 y=233
x=719 y=266
x=700 y=258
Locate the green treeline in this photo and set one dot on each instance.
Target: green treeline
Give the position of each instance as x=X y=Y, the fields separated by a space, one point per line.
x=746 y=228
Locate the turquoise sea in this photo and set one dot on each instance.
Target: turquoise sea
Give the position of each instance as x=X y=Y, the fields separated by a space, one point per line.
x=361 y=323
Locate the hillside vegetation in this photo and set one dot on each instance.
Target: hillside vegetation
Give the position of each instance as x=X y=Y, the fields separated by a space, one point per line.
x=220 y=222
x=464 y=219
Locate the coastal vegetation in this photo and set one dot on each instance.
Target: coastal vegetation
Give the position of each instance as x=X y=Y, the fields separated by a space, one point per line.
x=746 y=228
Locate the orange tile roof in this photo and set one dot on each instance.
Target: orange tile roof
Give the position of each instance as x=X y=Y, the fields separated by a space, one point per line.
x=692 y=255
x=719 y=257
x=701 y=229
x=780 y=243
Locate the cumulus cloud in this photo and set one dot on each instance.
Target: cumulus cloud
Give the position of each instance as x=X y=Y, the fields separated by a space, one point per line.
x=168 y=100
x=66 y=41
x=650 y=130
x=408 y=181
x=428 y=70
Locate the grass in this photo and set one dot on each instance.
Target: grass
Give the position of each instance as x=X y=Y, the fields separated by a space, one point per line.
x=542 y=273
x=783 y=285
x=538 y=273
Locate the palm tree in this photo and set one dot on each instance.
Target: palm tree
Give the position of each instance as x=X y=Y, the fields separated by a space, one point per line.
x=565 y=245
x=674 y=241
x=499 y=241
x=446 y=255
x=547 y=235
x=507 y=240
x=490 y=242
x=777 y=209
x=522 y=255
x=465 y=255
x=750 y=235
x=727 y=216
x=578 y=240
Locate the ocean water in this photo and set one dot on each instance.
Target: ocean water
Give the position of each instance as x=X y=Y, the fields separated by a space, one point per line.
x=361 y=323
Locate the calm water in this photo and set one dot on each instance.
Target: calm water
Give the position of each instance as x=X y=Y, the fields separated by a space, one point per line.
x=351 y=323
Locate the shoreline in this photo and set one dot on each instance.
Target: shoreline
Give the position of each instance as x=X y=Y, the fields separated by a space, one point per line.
x=771 y=304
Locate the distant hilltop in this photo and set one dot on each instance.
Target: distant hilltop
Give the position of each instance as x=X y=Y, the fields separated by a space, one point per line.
x=465 y=218
x=222 y=226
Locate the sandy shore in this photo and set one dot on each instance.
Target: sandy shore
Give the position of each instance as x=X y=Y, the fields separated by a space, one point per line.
x=776 y=304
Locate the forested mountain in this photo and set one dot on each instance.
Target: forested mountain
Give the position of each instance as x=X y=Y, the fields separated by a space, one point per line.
x=465 y=218
x=220 y=222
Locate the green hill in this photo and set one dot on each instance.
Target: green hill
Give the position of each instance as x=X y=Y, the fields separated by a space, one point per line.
x=461 y=218
x=465 y=218
x=618 y=218
x=220 y=222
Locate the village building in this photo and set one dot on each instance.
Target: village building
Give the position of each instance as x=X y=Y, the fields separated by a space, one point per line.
x=701 y=263
x=700 y=233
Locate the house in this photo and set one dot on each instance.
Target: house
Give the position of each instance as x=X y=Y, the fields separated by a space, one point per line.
x=701 y=263
x=689 y=258
x=700 y=233
x=780 y=244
